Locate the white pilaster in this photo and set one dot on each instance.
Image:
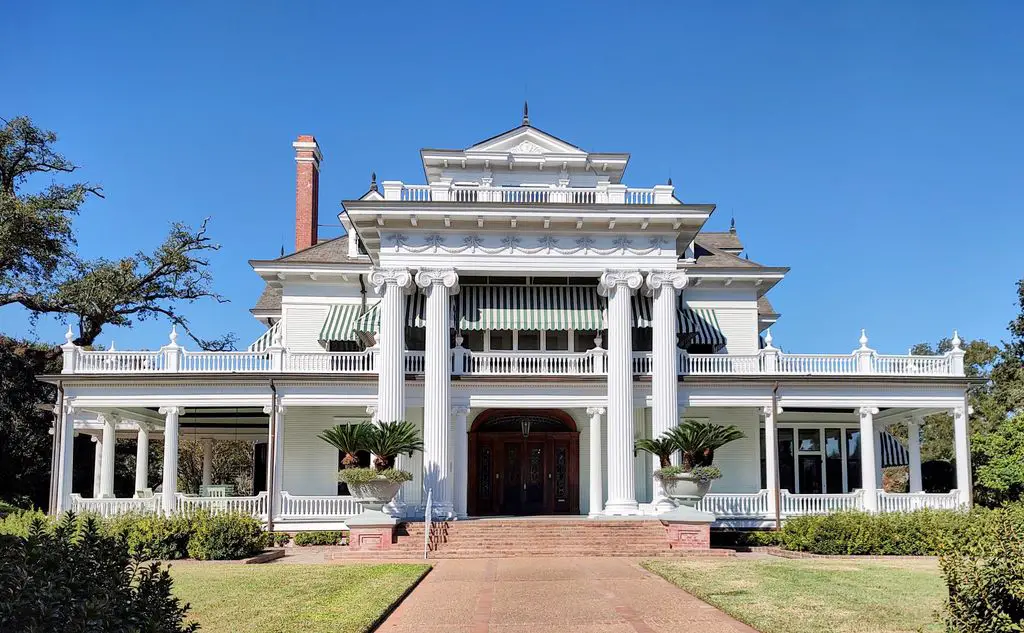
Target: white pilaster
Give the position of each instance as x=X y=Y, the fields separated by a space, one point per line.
x=107 y=465
x=962 y=453
x=97 y=466
x=436 y=285
x=914 y=449
x=868 y=469
x=596 y=486
x=664 y=287
x=618 y=286
x=142 y=459
x=170 y=485
x=67 y=447
x=207 y=461
x=771 y=456
x=460 y=473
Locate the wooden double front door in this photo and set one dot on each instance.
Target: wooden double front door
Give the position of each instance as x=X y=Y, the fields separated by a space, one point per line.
x=511 y=474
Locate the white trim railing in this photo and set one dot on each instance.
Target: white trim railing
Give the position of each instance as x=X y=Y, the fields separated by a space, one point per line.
x=804 y=504
x=317 y=507
x=255 y=505
x=908 y=502
x=743 y=505
x=603 y=193
x=265 y=340
x=173 y=359
x=108 y=507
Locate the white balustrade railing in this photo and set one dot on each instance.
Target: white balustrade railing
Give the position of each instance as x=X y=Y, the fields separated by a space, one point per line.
x=719 y=364
x=736 y=505
x=103 y=362
x=522 y=195
x=639 y=196
x=265 y=340
x=225 y=362
x=911 y=365
x=804 y=504
x=830 y=364
x=109 y=507
x=415 y=362
x=908 y=502
x=317 y=506
x=531 y=363
x=255 y=506
x=416 y=193
x=345 y=362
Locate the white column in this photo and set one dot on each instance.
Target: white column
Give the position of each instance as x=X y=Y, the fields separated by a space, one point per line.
x=391 y=284
x=618 y=286
x=97 y=466
x=771 y=456
x=207 y=461
x=596 y=468
x=664 y=287
x=67 y=447
x=868 y=471
x=170 y=485
x=436 y=285
x=142 y=459
x=275 y=457
x=460 y=472
x=107 y=466
x=962 y=451
x=914 y=449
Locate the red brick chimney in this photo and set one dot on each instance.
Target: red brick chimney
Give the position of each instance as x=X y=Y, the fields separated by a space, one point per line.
x=307 y=190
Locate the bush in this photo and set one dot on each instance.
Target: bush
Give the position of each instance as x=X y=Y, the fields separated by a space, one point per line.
x=983 y=567
x=364 y=475
x=226 y=537
x=919 y=533
x=18 y=522
x=153 y=536
x=72 y=578
x=280 y=539
x=745 y=538
x=323 y=537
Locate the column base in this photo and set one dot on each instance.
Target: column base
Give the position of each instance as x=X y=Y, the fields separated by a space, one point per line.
x=621 y=508
x=371 y=531
x=688 y=529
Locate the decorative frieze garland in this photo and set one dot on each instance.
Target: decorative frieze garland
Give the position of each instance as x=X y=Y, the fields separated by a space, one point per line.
x=528 y=244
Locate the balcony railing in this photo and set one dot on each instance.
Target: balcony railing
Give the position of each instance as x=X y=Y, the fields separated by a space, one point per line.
x=756 y=505
x=770 y=362
x=603 y=193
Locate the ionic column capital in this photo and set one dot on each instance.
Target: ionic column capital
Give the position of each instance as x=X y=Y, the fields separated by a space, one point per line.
x=666 y=279
x=460 y=410
x=868 y=411
x=431 y=277
x=268 y=409
x=595 y=411
x=397 y=277
x=614 y=279
x=171 y=411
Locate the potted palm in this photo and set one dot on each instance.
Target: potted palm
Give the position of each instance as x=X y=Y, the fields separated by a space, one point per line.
x=687 y=483
x=376 y=486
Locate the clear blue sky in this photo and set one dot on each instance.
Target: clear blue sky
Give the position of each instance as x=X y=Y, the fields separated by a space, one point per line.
x=874 y=147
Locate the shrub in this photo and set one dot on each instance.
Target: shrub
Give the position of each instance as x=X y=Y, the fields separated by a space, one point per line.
x=226 y=537
x=323 y=537
x=18 y=522
x=72 y=578
x=745 y=538
x=918 y=533
x=983 y=567
x=153 y=536
x=280 y=539
x=364 y=475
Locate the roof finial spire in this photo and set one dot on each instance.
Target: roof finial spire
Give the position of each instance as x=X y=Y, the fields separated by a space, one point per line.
x=526 y=112
x=732 y=224
x=670 y=180
x=373 y=181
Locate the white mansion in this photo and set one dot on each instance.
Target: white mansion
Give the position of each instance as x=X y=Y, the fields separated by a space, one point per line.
x=533 y=315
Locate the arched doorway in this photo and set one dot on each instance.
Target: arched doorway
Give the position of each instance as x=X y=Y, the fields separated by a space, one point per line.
x=523 y=462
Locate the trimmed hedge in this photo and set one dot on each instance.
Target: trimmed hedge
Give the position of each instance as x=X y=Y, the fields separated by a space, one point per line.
x=71 y=577
x=983 y=567
x=322 y=537
x=226 y=537
x=918 y=533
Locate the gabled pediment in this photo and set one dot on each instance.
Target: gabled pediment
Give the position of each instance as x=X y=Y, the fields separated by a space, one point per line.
x=527 y=140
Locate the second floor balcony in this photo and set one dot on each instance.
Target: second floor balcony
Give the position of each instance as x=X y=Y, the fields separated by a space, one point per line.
x=602 y=193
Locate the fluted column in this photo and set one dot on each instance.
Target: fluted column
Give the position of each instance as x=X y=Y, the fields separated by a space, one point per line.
x=868 y=472
x=207 y=461
x=142 y=459
x=392 y=284
x=962 y=453
x=664 y=286
x=67 y=447
x=914 y=451
x=170 y=485
x=97 y=466
x=618 y=286
x=460 y=474
x=107 y=452
x=596 y=485
x=437 y=284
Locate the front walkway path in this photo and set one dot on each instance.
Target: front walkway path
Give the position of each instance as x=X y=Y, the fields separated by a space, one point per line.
x=542 y=595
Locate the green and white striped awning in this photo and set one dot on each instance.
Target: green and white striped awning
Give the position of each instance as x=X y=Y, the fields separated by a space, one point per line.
x=338 y=326
x=698 y=326
x=529 y=308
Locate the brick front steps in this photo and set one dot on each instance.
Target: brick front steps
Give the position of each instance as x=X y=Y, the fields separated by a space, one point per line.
x=501 y=538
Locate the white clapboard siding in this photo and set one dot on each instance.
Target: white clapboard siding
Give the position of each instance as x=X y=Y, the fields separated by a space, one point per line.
x=302 y=324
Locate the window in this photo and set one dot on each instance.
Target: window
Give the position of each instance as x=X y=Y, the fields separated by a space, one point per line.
x=643 y=339
x=474 y=340
x=787 y=473
x=529 y=340
x=415 y=338
x=853 y=459
x=809 y=464
x=834 y=460
x=584 y=341
x=700 y=348
x=556 y=340
x=501 y=340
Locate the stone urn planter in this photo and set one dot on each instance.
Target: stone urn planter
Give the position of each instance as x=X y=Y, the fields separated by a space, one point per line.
x=374 y=495
x=685 y=489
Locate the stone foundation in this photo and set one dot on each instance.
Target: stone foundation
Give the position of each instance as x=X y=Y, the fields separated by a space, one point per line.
x=688 y=536
x=370 y=537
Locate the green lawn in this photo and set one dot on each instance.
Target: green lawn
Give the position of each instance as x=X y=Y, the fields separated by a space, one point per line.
x=285 y=597
x=777 y=595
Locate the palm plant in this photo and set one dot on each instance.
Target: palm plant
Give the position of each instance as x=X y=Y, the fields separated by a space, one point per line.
x=348 y=439
x=662 y=447
x=388 y=440
x=698 y=441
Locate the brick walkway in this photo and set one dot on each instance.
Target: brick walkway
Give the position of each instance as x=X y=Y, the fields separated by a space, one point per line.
x=542 y=595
